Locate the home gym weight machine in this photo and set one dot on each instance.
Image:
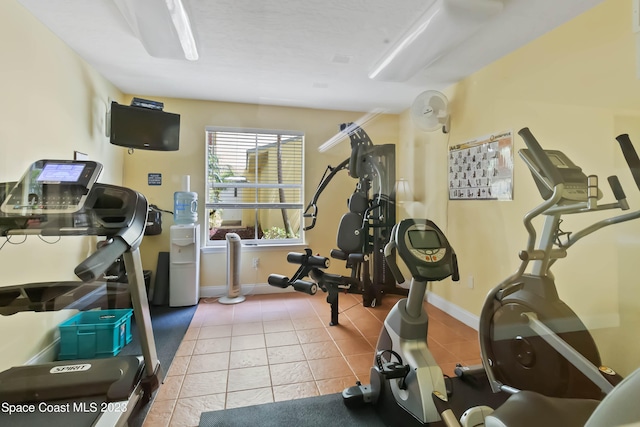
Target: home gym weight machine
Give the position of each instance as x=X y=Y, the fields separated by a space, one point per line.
x=362 y=233
x=62 y=198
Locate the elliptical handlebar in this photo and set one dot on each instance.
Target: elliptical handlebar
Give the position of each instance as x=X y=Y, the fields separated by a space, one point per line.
x=616 y=188
x=549 y=170
x=631 y=156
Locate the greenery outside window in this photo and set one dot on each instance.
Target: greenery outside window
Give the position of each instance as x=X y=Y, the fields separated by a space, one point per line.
x=254 y=185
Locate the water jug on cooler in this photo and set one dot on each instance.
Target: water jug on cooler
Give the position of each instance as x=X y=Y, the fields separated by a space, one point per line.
x=185 y=204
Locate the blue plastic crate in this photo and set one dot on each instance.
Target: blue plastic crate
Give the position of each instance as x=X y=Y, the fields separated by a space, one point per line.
x=93 y=334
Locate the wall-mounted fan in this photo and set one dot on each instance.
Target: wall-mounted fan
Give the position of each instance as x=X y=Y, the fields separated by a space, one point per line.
x=429 y=111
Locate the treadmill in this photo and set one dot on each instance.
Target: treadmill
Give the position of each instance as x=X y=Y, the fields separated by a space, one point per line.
x=62 y=198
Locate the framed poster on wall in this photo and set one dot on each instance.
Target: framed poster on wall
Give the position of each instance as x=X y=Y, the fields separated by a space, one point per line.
x=482 y=169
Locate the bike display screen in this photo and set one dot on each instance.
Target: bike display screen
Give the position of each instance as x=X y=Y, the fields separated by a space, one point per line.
x=424 y=239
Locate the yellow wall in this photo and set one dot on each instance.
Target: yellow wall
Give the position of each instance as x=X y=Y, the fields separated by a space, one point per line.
x=317 y=125
x=576 y=89
x=52 y=104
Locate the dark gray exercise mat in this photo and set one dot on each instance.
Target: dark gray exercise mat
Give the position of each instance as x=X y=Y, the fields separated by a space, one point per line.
x=311 y=411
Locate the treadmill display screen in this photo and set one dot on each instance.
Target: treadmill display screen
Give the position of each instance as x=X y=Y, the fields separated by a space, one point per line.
x=424 y=239
x=61 y=172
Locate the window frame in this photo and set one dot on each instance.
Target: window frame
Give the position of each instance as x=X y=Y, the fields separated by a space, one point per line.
x=255 y=206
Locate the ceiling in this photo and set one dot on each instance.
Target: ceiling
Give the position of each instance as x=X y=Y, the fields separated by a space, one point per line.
x=301 y=53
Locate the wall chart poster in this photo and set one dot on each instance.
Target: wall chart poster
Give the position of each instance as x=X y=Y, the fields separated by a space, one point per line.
x=482 y=169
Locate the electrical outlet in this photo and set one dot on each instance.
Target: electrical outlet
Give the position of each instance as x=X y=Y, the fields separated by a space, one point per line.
x=255 y=262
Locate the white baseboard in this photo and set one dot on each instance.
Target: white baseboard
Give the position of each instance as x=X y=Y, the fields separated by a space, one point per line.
x=454 y=311
x=46 y=355
x=249 y=289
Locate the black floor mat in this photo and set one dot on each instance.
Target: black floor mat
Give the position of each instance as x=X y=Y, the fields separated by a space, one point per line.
x=329 y=410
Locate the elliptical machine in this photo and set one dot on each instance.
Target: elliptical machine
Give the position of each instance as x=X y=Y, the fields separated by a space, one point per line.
x=402 y=356
x=529 y=338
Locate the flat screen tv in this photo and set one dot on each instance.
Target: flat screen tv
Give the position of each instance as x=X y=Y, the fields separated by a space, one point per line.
x=144 y=128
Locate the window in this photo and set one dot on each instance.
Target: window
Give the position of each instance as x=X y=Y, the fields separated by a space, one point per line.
x=254 y=185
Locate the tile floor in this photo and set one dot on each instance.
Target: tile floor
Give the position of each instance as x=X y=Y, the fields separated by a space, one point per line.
x=279 y=347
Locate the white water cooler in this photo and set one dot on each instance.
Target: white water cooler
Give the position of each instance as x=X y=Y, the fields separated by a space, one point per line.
x=184 y=268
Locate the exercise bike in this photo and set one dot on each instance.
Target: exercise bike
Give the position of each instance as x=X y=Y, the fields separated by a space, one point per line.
x=402 y=359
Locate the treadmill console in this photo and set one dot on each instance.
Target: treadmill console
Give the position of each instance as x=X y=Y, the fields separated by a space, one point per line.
x=425 y=250
x=575 y=181
x=52 y=186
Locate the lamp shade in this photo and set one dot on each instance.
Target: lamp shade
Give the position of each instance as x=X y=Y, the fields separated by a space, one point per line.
x=403 y=191
x=442 y=27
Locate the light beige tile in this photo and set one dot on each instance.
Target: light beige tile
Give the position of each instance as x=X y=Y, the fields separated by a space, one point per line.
x=208 y=362
x=275 y=315
x=159 y=414
x=249 y=378
x=306 y=336
x=191 y=334
x=248 y=358
x=278 y=325
x=188 y=411
x=178 y=365
x=289 y=373
x=250 y=328
x=321 y=350
x=186 y=348
x=213 y=345
x=247 y=317
x=295 y=391
x=247 y=342
x=217 y=319
x=203 y=384
x=215 y=331
x=256 y=396
x=277 y=339
x=169 y=389
x=311 y=322
x=285 y=354
x=333 y=367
